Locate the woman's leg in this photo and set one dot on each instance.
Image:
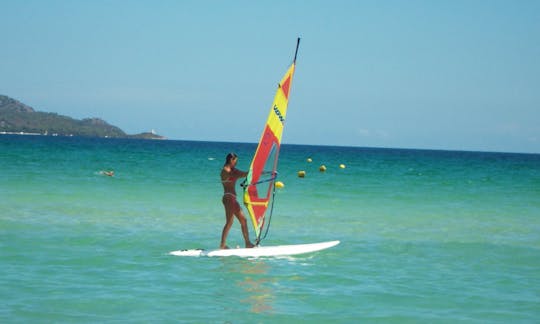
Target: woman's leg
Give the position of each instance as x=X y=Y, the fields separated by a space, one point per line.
x=243 y=223
x=229 y=219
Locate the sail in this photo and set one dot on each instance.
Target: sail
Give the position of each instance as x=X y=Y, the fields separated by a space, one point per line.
x=259 y=185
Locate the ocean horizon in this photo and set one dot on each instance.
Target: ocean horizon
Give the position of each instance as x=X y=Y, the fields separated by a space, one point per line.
x=426 y=235
x=285 y=144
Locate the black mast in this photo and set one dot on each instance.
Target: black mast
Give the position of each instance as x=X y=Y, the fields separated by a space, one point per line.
x=296 y=52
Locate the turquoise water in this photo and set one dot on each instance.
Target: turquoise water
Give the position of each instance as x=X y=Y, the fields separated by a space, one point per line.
x=427 y=236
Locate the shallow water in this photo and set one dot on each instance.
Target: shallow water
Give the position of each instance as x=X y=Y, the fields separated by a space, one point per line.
x=427 y=236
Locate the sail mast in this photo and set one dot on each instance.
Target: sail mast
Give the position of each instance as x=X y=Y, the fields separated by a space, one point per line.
x=259 y=184
x=296 y=51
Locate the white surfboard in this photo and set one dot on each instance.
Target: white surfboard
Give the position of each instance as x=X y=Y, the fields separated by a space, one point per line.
x=260 y=251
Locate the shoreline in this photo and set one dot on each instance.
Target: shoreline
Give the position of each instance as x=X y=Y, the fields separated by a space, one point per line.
x=162 y=138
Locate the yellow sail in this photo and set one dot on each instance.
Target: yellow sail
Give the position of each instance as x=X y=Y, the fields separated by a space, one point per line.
x=259 y=185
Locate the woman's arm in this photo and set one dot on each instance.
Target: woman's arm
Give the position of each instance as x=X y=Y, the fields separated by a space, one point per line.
x=239 y=174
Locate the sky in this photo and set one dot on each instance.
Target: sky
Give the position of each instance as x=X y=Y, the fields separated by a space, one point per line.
x=452 y=75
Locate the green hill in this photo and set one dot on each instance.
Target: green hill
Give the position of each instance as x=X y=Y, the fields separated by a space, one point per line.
x=16 y=117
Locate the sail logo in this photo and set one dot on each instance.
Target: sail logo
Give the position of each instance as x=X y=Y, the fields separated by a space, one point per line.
x=278 y=114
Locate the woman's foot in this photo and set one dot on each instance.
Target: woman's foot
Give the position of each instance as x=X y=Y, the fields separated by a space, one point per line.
x=249 y=245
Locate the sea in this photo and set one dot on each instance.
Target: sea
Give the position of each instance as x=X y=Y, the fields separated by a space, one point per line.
x=426 y=236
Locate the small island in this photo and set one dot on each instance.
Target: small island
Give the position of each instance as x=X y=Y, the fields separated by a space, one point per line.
x=18 y=118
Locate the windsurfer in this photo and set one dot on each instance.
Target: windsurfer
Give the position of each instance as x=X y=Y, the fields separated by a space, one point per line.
x=229 y=175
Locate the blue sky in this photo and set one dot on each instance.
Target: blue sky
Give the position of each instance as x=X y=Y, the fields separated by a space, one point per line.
x=460 y=75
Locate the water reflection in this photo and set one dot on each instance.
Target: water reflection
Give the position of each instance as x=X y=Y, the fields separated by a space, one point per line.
x=252 y=276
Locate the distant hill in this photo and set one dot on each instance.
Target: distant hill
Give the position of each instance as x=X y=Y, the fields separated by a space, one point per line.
x=16 y=117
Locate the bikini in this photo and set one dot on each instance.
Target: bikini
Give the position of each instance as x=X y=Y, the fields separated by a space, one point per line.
x=229 y=180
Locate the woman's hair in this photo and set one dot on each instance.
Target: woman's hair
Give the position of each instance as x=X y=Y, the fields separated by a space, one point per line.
x=231 y=156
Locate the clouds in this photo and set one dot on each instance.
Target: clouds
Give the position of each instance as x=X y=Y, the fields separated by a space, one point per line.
x=373 y=134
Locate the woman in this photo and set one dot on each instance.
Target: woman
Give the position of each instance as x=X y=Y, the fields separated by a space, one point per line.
x=229 y=175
